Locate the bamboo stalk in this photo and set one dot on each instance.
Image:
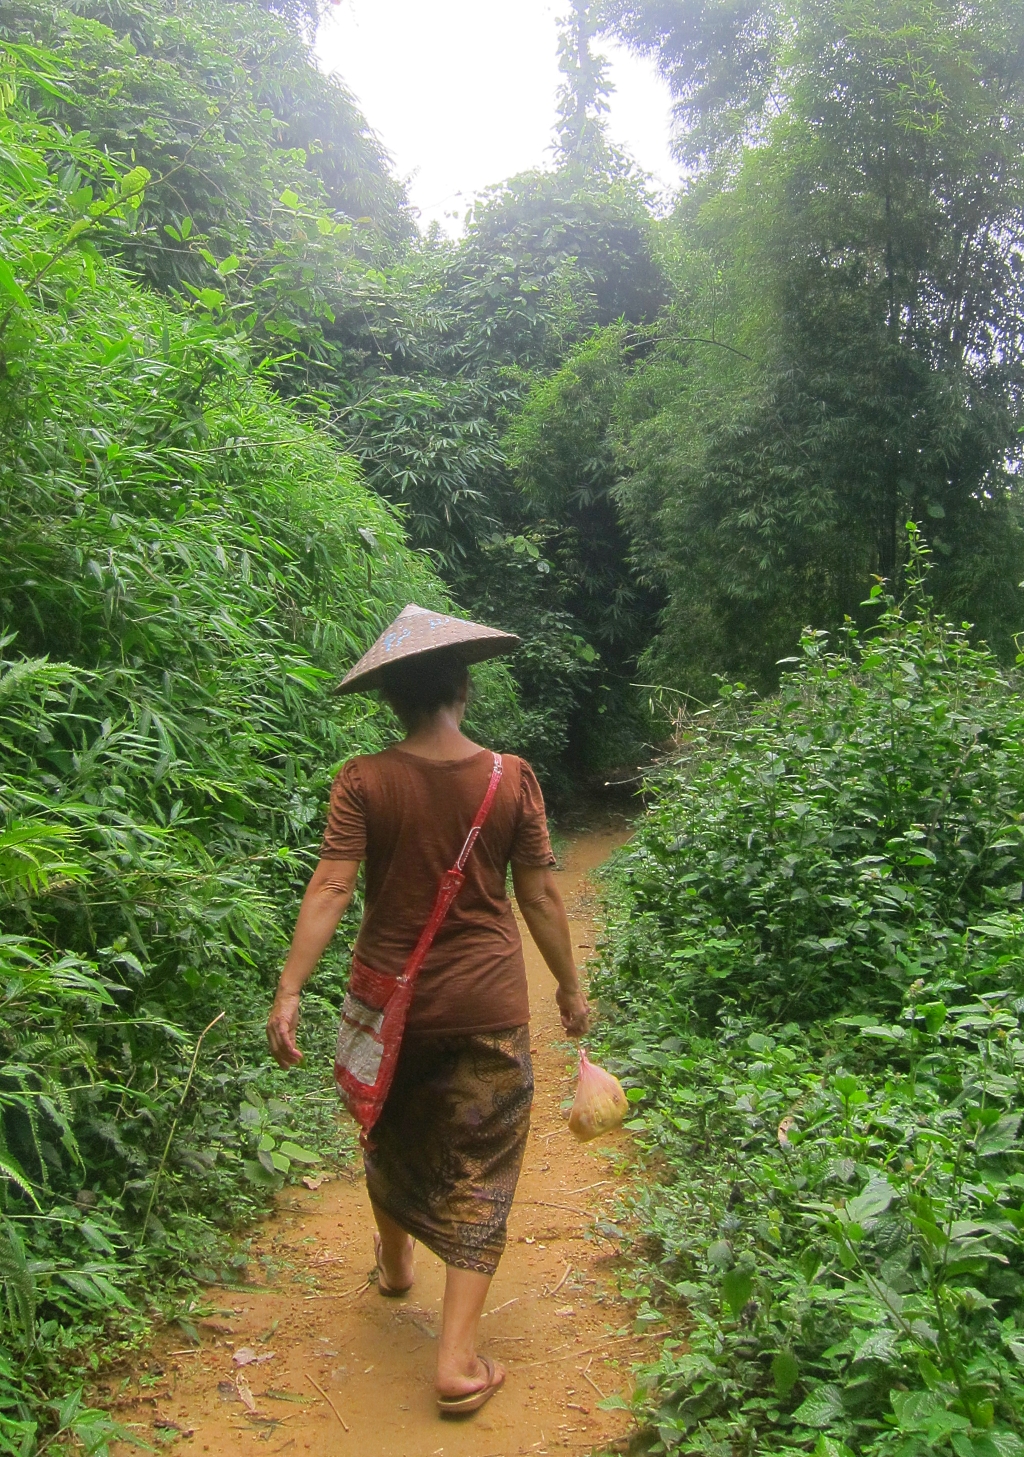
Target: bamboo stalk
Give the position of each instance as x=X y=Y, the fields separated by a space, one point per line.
x=174 y=1125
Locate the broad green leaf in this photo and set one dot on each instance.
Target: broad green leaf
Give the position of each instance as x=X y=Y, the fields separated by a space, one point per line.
x=934 y=1014
x=12 y=287
x=999 y=1443
x=259 y=1174
x=1001 y=1137
x=830 y=1447
x=823 y=1408
x=299 y=1154
x=737 y=1285
x=873 y=1200
x=785 y=1372
x=879 y=1345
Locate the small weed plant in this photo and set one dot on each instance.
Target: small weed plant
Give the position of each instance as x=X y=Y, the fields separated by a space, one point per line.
x=814 y=968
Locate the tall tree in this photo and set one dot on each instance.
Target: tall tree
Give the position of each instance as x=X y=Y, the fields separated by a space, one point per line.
x=581 y=130
x=845 y=349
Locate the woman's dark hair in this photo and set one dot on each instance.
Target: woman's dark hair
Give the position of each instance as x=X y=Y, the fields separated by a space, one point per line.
x=421 y=685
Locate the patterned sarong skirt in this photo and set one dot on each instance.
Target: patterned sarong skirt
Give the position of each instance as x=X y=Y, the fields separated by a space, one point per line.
x=448 y=1146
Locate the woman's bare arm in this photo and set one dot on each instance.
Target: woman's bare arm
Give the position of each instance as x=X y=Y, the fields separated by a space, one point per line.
x=540 y=901
x=323 y=905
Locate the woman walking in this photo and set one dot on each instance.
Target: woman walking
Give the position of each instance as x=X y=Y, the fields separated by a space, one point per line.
x=444 y=1156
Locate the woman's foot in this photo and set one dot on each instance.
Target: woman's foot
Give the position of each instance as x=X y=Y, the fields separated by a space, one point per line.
x=395 y=1272
x=462 y=1392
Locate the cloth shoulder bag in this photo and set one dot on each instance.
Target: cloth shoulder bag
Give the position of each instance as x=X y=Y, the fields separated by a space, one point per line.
x=376 y=1005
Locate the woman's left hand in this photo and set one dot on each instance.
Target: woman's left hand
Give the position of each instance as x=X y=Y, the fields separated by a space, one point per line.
x=281 y=1028
x=575 y=1012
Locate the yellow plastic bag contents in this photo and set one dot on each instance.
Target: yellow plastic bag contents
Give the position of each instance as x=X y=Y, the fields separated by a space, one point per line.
x=600 y=1104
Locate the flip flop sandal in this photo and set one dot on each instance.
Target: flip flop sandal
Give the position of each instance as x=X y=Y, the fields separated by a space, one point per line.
x=390 y=1292
x=462 y=1406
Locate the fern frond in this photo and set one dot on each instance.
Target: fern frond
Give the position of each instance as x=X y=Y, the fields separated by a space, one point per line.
x=17 y=1280
x=17 y=1177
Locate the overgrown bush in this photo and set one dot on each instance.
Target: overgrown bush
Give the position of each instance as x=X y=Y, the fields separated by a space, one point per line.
x=810 y=851
x=815 y=975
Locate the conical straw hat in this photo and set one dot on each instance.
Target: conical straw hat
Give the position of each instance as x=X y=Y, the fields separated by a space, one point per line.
x=415 y=631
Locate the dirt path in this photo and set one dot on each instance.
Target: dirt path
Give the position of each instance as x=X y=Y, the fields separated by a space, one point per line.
x=552 y=1316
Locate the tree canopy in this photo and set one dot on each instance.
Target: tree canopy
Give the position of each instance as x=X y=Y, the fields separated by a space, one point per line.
x=843 y=350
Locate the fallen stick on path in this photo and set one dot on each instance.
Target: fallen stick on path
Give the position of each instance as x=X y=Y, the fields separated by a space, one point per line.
x=585 y=1352
x=501 y=1307
x=590 y=1380
x=543 y=1361
x=545 y=1204
x=342 y=1294
x=568 y=1272
x=329 y=1402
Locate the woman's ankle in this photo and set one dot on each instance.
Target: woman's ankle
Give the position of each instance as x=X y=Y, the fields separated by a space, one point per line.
x=460 y=1374
x=453 y=1365
x=395 y=1259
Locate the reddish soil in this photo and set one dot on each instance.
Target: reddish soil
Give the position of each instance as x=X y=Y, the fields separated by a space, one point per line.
x=554 y=1318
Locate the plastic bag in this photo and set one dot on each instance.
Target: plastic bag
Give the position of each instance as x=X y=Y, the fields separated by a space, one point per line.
x=600 y=1104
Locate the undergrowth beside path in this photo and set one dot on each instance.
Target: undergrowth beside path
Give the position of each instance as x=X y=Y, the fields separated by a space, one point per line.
x=814 y=967
x=182 y=582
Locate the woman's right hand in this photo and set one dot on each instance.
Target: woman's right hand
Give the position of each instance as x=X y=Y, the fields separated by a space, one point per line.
x=281 y=1028
x=575 y=1012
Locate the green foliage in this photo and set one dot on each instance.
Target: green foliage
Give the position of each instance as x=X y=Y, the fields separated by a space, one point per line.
x=266 y=201
x=583 y=95
x=222 y=103
x=815 y=969
x=564 y=458
x=259 y=199
x=472 y=334
x=186 y=569
x=841 y=1222
x=548 y=256
x=818 y=848
x=843 y=348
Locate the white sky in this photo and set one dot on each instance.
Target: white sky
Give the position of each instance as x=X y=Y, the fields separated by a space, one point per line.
x=462 y=93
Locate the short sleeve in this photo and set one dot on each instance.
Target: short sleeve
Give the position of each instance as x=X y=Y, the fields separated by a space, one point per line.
x=345 y=835
x=532 y=843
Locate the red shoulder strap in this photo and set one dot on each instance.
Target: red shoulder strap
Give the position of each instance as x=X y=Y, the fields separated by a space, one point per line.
x=451 y=881
x=481 y=815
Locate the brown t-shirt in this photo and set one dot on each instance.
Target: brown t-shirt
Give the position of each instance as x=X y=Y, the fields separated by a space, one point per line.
x=407 y=817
